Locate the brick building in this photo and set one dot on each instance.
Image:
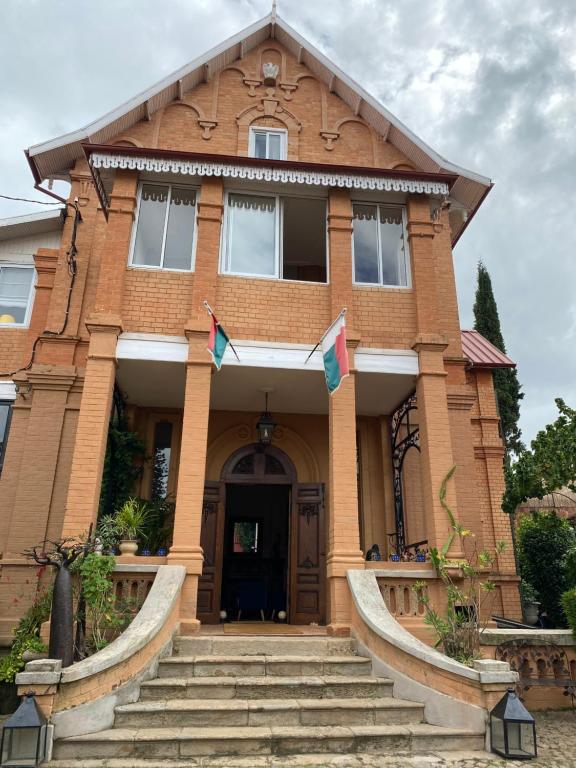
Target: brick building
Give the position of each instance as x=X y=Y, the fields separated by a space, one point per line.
x=262 y=179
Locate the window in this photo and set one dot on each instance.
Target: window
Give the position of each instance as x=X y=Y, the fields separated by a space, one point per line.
x=268 y=144
x=5 y=414
x=380 y=254
x=246 y=540
x=16 y=283
x=274 y=236
x=164 y=232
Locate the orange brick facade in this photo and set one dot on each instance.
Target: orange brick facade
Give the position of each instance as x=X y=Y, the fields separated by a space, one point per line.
x=50 y=483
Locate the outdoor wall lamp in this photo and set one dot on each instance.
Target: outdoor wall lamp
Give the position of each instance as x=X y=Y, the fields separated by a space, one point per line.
x=512 y=729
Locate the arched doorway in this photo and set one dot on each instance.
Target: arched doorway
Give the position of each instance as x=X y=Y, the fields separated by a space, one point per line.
x=263 y=541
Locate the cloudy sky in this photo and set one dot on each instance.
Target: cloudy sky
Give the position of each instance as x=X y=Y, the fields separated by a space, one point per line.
x=490 y=84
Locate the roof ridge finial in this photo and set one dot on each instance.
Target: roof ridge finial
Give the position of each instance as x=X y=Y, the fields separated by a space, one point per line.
x=274 y=10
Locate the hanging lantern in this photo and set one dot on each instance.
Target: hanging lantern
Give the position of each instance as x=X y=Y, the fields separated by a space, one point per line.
x=512 y=729
x=266 y=426
x=24 y=736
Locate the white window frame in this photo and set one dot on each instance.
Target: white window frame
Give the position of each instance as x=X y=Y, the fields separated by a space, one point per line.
x=278 y=242
x=282 y=132
x=31 y=294
x=161 y=266
x=407 y=258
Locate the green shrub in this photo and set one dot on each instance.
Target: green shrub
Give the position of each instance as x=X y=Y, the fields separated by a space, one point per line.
x=26 y=636
x=571 y=568
x=544 y=539
x=569 y=605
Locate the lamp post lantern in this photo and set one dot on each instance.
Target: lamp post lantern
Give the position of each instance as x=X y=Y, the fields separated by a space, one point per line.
x=24 y=736
x=512 y=729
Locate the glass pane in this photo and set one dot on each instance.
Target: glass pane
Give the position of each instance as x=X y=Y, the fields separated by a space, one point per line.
x=162 y=451
x=304 y=239
x=259 y=144
x=252 y=235
x=180 y=234
x=4 y=415
x=246 y=537
x=392 y=246
x=15 y=284
x=365 y=244
x=497 y=734
x=151 y=218
x=274 y=146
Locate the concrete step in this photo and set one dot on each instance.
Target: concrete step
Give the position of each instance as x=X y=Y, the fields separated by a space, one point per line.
x=263 y=687
x=184 y=743
x=268 y=712
x=252 y=666
x=263 y=645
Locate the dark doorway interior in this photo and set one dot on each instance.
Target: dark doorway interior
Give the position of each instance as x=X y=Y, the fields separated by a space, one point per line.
x=256 y=538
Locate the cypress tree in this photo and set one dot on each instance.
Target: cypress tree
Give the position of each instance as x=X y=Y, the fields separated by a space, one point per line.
x=506 y=384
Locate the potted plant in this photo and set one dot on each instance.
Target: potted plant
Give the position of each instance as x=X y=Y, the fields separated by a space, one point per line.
x=130 y=524
x=530 y=602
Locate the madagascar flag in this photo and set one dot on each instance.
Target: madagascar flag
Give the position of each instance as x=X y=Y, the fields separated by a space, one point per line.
x=335 y=354
x=217 y=342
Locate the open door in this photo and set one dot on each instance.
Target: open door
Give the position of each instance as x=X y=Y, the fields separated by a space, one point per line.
x=307 y=554
x=211 y=541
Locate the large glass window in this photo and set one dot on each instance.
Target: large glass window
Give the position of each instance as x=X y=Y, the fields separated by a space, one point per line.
x=274 y=236
x=5 y=414
x=380 y=255
x=165 y=225
x=15 y=292
x=268 y=144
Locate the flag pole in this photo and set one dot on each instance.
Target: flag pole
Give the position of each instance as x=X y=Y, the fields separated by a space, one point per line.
x=343 y=312
x=211 y=312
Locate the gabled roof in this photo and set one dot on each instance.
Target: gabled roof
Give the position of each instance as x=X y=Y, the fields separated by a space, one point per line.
x=483 y=354
x=53 y=159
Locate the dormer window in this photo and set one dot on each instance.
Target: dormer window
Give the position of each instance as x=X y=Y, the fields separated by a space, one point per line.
x=268 y=143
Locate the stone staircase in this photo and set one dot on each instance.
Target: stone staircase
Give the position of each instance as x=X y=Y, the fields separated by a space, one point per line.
x=266 y=701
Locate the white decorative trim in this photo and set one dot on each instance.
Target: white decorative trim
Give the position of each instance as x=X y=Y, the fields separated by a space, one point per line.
x=257 y=354
x=275 y=175
x=7 y=390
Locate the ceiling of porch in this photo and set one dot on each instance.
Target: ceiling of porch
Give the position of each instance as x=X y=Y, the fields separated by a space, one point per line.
x=160 y=384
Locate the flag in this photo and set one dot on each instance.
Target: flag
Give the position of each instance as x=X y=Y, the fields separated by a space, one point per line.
x=217 y=342
x=335 y=354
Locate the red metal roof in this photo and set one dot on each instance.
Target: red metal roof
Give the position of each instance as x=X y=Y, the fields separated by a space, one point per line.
x=483 y=354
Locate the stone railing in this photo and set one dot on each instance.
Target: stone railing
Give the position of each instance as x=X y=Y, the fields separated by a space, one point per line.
x=545 y=660
x=450 y=691
x=132 y=583
x=81 y=698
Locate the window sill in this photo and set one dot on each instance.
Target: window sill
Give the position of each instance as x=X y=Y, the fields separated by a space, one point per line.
x=148 y=268
x=377 y=286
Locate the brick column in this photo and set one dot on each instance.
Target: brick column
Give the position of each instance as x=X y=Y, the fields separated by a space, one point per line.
x=343 y=526
x=209 y=223
x=186 y=548
x=92 y=432
x=435 y=438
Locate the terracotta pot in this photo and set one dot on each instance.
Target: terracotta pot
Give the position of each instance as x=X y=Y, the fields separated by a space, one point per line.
x=128 y=547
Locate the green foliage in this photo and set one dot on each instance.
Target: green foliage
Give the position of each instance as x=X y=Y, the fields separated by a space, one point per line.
x=544 y=540
x=467 y=591
x=528 y=594
x=569 y=606
x=102 y=616
x=549 y=465
x=571 y=567
x=125 y=452
x=506 y=384
x=26 y=636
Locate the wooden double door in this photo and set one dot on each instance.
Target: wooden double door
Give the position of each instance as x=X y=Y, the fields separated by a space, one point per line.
x=303 y=544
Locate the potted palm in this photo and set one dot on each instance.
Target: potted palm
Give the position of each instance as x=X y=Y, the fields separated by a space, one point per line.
x=130 y=524
x=530 y=602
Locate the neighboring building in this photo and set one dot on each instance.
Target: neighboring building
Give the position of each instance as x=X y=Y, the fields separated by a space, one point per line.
x=264 y=180
x=562 y=502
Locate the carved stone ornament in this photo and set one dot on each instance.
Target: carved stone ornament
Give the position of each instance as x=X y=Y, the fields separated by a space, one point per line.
x=270 y=72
